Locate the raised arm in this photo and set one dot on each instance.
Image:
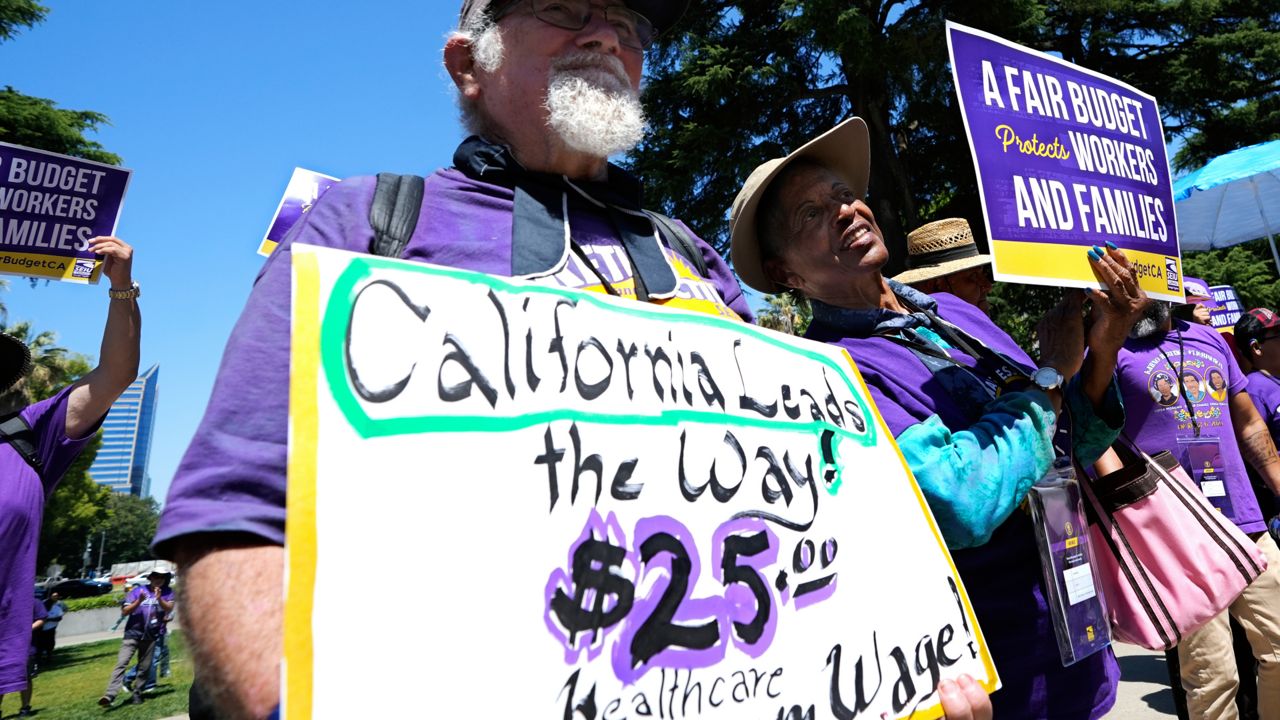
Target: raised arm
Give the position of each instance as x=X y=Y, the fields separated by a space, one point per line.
x=93 y=394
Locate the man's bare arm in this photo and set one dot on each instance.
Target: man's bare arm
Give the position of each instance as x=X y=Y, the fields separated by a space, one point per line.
x=1256 y=445
x=233 y=613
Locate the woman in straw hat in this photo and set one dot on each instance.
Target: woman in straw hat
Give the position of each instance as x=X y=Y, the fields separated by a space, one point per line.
x=943 y=257
x=972 y=414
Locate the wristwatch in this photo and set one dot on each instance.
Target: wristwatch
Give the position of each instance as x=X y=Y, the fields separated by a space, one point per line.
x=1047 y=378
x=134 y=291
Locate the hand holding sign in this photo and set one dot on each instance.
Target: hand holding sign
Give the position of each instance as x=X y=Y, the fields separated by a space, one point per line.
x=964 y=699
x=118 y=263
x=1116 y=309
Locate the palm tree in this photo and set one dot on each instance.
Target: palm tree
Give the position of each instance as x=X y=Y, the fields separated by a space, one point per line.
x=52 y=366
x=785 y=313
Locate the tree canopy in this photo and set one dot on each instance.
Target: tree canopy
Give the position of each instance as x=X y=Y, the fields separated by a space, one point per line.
x=38 y=122
x=742 y=81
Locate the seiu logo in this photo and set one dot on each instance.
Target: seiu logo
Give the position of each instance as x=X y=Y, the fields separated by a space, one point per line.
x=1171 y=273
x=83 y=268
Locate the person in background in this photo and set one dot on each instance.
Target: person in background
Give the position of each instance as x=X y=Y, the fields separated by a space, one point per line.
x=1201 y=430
x=45 y=437
x=1199 y=304
x=943 y=257
x=37 y=621
x=973 y=417
x=46 y=639
x=159 y=656
x=145 y=608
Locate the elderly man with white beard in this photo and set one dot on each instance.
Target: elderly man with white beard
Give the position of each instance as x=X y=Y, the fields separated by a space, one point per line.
x=549 y=90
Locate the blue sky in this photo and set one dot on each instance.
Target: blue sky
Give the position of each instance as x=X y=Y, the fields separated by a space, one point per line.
x=212 y=106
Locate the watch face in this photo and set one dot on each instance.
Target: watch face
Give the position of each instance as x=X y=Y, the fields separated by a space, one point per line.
x=1047 y=378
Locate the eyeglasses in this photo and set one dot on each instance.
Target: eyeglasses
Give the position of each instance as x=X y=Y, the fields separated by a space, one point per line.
x=634 y=30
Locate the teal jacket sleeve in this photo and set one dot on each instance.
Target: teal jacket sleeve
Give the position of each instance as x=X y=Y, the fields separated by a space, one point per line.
x=975 y=478
x=1092 y=430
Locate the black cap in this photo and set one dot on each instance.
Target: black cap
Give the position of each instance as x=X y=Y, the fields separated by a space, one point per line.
x=1255 y=325
x=662 y=13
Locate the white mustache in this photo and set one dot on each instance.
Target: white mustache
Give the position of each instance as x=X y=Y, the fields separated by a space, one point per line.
x=584 y=60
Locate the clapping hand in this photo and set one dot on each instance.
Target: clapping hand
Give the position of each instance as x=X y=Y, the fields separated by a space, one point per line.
x=1116 y=309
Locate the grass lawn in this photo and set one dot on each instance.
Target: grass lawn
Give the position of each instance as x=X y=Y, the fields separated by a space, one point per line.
x=69 y=688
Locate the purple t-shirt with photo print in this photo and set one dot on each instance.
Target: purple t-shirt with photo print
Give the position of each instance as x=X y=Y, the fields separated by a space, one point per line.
x=21 y=511
x=1159 y=377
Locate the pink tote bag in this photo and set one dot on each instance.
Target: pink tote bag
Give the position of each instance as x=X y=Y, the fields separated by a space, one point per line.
x=1168 y=561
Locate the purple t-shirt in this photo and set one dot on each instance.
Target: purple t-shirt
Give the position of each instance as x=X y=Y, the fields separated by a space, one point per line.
x=232 y=478
x=1155 y=373
x=1264 y=390
x=21 y=512
x=148 y=617
x=1003 y=577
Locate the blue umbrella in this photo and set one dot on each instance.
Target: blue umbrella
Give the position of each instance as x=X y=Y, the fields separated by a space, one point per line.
x=1233 y=199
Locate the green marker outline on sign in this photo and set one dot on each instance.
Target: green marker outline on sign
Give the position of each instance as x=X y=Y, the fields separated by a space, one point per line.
x=337 y=320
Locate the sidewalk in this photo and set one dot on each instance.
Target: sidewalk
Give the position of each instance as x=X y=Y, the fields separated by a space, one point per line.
x=1144 y=692
x=1143 y=695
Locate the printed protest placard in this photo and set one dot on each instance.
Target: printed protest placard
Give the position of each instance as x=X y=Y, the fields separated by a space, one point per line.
x=569 y=504
x=305 y=187
x=1067 y=159
x=1226 y=308
x=51 y=206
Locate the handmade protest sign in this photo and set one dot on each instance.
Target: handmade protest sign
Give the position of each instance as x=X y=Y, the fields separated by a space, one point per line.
x=304 y=188
x=1226 y=308
x=51 y=206
x=1067 y=159
x=585 y=506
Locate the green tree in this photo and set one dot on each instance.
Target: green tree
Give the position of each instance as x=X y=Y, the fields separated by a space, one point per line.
x=17 y=14
x=38 y=122
x=1247 y=267
x=133 y=524
x=745 y=80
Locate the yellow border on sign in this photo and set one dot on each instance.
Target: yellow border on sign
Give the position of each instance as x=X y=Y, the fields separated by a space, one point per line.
x=992 y=680
x=301 y=548
x=47 y=266
x=1069 y=264
x=300 y=573
x=267 y=247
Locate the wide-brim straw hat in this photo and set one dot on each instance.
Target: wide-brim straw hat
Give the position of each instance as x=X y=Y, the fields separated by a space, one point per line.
x=844 y=150
x=15 y=361
x=940 y=248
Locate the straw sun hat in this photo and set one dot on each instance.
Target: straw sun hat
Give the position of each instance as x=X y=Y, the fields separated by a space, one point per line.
x=940 y=248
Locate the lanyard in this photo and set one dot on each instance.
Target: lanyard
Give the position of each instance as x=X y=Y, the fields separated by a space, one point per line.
x=1182 y=387
x=1003 y=367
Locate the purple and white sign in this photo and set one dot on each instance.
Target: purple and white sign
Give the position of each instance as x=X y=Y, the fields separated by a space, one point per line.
x=1226 y=308
x=51 y=206
x=1067 y=159
x=305 y=187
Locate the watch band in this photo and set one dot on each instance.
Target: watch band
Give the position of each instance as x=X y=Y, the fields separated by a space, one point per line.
x=134 y=291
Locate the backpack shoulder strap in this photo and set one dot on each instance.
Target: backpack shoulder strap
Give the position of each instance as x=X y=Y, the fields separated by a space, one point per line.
x=397 y=200
x=679 y=240
x=15 y=431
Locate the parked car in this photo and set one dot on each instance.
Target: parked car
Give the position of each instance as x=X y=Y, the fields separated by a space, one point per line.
x=74 y=588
